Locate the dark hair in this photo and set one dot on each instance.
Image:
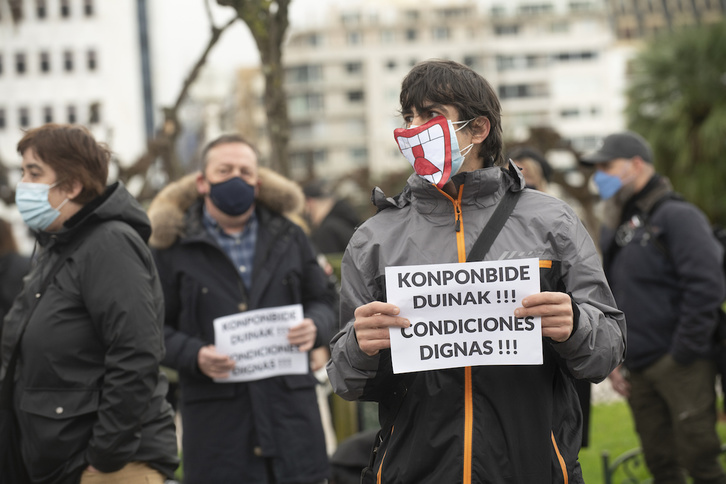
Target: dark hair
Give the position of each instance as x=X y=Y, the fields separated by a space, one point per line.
x=223 y=140
x=73 y=154
x=7 y=240
x=524 y=152
x=451 y=83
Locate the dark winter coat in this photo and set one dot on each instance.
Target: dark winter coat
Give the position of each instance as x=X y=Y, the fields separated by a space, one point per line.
x=336 y=229
x=228 y=426
x=88 y=387
x=667 y=279
x=13 y=267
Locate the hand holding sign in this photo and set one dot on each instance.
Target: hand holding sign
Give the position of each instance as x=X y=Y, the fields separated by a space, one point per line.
x=372 y=324
x=303 y=335
x=212 y=363
x=555 y=308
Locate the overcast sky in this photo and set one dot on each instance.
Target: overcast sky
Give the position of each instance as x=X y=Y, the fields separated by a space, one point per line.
x=181 y=31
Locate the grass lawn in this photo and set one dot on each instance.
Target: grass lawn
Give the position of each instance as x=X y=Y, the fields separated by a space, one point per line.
x=612 y=430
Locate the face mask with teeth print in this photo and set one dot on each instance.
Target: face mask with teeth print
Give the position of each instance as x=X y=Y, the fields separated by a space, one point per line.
x=432 y=149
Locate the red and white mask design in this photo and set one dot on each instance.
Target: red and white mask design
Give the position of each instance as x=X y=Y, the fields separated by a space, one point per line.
x=432 y=149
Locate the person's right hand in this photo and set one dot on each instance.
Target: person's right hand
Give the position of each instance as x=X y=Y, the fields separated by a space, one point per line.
x=371 y=325
x=619 y=383
x=214 y=364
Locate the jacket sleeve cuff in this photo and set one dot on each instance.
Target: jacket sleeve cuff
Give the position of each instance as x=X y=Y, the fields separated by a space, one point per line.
x=358 y=358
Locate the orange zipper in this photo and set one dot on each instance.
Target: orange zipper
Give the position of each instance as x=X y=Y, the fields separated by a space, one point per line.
x=468 y=387
x=380 y=467
x=560 y=458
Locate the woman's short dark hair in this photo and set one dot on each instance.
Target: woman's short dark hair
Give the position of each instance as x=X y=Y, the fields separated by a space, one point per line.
x=448 y=82
x=74 y=155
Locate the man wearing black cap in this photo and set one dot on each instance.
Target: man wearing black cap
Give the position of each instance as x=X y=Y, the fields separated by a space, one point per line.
x=664 y=267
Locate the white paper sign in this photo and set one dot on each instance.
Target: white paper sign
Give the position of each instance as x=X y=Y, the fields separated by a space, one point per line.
x=257 y=342
x=463 y=315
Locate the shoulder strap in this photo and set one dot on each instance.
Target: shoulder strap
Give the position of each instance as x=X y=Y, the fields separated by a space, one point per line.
x=491 y=230
x=6 y=391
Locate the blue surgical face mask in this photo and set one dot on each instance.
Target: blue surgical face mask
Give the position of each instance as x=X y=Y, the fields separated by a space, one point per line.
x=233 y=197
x=33 y=205
x=607 y=185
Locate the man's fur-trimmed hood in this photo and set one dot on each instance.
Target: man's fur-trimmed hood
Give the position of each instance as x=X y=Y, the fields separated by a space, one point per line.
x=168 y=209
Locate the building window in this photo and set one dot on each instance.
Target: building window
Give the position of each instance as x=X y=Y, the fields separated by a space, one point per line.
x=47 y=114
x=441 y=33
x=23 y=117
x=411 y=34
x=44 y=62
x=570 y=113
x=1 y=64
x=355 y=96
x=388 y=36
x=411 y=15
x=355 y=38
x=71 y=114
x=2 y=118
x=40 y=8
x=91 y=60
x=506 y=29
x=359 y=155
x=391 y=65
x=20 y=63
x=513 y=91
x=68 y=61
x=353 y=67
x=304 y=73
x=65 y=8
x=94 y=113
x=88 y=8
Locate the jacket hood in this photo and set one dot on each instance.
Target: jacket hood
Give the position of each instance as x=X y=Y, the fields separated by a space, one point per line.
x=116 y=203
x=486 y=182
x=168 y=209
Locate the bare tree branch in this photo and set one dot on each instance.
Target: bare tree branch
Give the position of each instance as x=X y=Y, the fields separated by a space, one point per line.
x=163 y=144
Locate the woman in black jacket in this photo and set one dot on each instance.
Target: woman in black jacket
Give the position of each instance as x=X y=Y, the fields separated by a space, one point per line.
x=88 y=396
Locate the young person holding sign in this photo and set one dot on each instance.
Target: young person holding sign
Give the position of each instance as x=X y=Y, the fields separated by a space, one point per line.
x=493 y=421
x=234 y=269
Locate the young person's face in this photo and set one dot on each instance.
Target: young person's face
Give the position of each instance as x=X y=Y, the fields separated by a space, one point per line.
x=464 y=136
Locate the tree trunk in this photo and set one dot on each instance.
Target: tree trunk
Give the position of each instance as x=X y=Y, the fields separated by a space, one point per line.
x=268 y=21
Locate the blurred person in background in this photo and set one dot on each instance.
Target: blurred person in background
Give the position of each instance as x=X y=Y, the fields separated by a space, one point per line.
x=332 y=220
x=88 y=393
x=537 y=174
x=13 y=267
x=665 y=269
x=223 y=246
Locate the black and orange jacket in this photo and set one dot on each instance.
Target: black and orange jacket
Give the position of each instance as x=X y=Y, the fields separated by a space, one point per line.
x=485 y=424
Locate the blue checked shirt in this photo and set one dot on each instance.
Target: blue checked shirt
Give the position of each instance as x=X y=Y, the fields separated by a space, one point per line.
x=240 y=248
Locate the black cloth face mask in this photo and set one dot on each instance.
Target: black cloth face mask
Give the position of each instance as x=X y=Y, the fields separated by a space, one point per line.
x=233 y=197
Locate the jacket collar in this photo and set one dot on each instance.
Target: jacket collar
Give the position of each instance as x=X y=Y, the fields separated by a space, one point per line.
x=482 y=188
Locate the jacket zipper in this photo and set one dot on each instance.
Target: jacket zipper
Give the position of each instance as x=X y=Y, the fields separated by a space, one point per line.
x=563 y=466
x=468 y=386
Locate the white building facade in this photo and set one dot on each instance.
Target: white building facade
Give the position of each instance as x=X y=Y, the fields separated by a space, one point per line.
x=72 y=61
x=553 y=63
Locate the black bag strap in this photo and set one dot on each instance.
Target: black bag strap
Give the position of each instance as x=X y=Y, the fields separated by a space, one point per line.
x=491 y=230
x=8 y=383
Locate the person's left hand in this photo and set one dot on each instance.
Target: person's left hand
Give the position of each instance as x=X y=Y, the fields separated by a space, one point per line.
x=555 y=309
x=303 y=335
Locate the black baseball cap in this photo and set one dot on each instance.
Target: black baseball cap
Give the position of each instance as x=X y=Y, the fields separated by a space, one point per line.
x=620 y=145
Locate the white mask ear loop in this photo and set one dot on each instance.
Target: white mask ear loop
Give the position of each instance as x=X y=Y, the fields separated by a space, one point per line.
x=61 y=205
x=459 y=122
x=467 y=149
